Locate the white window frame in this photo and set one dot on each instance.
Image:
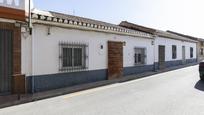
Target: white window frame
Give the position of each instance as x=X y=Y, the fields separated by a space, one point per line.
x=144 y=55
x=84 y=57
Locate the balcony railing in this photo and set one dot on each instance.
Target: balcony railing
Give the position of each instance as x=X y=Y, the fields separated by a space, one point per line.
x=16 y=4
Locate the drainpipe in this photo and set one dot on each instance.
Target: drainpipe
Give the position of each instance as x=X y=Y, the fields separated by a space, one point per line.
x=32 y=45
x=32 y=64
x=29 y=18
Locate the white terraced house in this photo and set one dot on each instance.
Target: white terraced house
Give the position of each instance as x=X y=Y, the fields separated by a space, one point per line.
x=44 y=50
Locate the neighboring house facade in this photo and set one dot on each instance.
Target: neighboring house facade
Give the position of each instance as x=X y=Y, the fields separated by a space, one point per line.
x=200 y=49
x=170 y=49
x=63 y=50
x=200 y=45
x=13 y=14
x=177 y=50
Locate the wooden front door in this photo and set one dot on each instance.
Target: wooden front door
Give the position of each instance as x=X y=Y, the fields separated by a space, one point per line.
x=115 y=59
x=11 y=79
x=161 y=57
x=6 y=60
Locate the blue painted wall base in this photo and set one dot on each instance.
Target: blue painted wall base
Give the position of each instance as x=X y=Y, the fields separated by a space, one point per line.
x=61 y=80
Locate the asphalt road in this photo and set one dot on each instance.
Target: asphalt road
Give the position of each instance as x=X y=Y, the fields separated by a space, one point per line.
x=177 y=92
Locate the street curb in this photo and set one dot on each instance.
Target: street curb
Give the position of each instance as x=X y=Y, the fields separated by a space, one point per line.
x=58 y=92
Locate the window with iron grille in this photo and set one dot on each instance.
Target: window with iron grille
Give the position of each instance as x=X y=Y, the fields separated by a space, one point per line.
x=191 y=52
x=201 y=51
x=72 y=57
x=174 y=52
x=140 y=56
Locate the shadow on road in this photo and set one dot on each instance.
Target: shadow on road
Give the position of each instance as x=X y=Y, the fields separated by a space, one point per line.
x=200 y=85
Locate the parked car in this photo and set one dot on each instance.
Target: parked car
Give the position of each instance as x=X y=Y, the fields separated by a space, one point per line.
x=201 y=70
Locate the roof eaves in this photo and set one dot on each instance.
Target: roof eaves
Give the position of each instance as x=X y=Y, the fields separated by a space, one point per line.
x=155 y=32
x=98 y=26
x=133 y=26
x=187 y=36
x=173 y=36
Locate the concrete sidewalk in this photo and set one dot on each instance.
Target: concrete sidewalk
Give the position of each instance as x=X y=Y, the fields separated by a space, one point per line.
x=6 y=101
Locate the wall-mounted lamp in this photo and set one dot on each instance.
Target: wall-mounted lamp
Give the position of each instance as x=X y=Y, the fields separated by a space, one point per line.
x=49 y=30
x=101 y=46
x=152 y=42
x=124 y=43
x=25 y=32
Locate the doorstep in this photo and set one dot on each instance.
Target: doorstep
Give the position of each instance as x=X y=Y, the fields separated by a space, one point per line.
x=6 y=101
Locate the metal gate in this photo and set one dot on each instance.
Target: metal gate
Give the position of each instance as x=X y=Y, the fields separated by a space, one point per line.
x=6 y=38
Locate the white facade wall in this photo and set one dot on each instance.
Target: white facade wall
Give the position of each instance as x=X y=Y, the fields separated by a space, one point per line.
x=40 y=52
x=168 y=42
x=43 y=57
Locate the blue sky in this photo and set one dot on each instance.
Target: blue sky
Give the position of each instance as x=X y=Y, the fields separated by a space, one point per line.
x=184 y=16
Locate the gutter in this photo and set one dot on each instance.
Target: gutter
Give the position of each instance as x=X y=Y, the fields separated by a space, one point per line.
x=33 y=62
x=29 y=16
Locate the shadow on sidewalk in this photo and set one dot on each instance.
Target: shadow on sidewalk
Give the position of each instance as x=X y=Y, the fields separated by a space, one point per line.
x=200 y=85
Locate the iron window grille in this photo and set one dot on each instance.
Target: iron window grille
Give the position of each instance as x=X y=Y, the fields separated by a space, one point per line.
x=73 y=57
x=191 y=52
x=140 y=56
x=174 y=52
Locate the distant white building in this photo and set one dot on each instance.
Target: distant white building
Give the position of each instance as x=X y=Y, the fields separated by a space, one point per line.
x=64 y=50
x=169 y=49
